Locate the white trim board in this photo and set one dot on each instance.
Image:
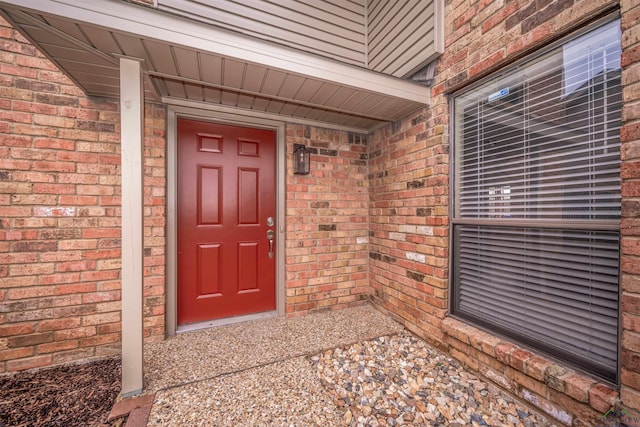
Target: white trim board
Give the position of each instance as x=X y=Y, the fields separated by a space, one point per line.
x=132 y=275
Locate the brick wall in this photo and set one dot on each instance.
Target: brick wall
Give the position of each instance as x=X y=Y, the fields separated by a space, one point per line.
x=327 y=222
x=372 y=218
x=630 y=227
x=155 y=214
x=409 y=222
x=60 y=215
x=409 y=205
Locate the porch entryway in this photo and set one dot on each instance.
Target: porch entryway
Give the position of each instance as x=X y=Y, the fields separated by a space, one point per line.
x=330 y=368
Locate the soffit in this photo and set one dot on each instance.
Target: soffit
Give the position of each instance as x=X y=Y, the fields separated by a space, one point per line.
x=191 y=61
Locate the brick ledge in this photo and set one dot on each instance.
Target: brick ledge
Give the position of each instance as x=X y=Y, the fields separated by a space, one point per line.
x=556 y=390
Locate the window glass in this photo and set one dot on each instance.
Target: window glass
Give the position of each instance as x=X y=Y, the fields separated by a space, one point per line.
x=542 y=142
x=537 y=202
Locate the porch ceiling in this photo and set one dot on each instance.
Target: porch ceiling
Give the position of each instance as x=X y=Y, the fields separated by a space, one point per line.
x=187 y=60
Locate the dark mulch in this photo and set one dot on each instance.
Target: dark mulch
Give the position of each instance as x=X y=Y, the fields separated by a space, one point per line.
x=71 y=395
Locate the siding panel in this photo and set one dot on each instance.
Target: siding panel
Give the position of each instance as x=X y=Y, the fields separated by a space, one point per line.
x=402 y=35
x=329 y=28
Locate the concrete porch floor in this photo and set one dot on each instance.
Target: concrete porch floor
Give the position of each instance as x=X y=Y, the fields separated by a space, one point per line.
x=266 y=373
x=253 y=373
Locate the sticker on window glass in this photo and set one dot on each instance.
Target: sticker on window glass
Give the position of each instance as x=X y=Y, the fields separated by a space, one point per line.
x=499 y=94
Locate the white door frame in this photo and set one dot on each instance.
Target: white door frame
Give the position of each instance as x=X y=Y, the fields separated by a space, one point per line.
x=230 y=116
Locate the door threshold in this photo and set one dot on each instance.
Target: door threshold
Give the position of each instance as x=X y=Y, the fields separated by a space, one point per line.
x=226 y=321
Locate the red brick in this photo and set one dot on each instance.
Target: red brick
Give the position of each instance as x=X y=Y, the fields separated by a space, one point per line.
x=54 y=166
x=16 y=353
x=110 y=328
x=99 y=275
x=76 y=332
x=97 y=340
x=139 y=417
x=631 y=341
x=58 y=278
x=75 y=288
x=490 y=362
x=630 y=303
x=101 y=297
x=487 y=64
x=578 y=387
x=100 y=233
x=332 y=181
x=631 y=188
x=630 y=323
x=76 y=200
x=630 y=56
x=29 y=340
x=124 y=407
x=75 y=266
x=526 y=41
x=32 y=107
x=580 y=413
x=629 y=378
x=96 y=319
x=57 y=346
x=518 y=359
x=29 y=363
x=527 y=382
x=57 y=324
x=602 y=398
x=630 y=399
x=630 y=132
x=8 y=330
x=499 y=16
x=15 y=116
x=464 y=18
x=51 y=143
x=36 y=291
x=537 y=367
x=31 y=269
x=47 y=188
x=463 y=356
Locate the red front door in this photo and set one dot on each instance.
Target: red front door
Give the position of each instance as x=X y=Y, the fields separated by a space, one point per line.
x=226 y=195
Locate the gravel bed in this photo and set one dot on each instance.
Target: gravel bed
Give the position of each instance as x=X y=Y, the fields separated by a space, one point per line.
x=400 y=380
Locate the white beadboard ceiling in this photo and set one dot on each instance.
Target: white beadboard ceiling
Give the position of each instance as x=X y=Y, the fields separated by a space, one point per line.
x=187 y=60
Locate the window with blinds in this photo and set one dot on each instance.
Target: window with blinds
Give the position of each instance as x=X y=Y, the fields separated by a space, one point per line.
x=537 y=202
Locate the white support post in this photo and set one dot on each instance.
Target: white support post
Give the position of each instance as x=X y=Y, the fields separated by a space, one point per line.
x=132 y=134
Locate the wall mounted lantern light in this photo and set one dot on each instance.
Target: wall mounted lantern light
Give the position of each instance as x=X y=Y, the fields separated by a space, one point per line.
x=301 y=159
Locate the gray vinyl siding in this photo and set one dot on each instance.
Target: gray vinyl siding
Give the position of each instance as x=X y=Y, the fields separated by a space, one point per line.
x=402 y=35
x=331 y=28
x=393 y=37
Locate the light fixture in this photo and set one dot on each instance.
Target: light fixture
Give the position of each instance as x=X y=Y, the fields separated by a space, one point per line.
x=301 y=159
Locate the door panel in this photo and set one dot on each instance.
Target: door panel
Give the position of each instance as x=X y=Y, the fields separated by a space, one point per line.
x=248 y=200
x=226 y=192
x=209 y=196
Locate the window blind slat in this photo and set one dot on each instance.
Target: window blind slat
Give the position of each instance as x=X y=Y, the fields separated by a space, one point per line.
x=565 y=291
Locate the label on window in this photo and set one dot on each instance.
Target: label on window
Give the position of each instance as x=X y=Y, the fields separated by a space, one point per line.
x=499 y=94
